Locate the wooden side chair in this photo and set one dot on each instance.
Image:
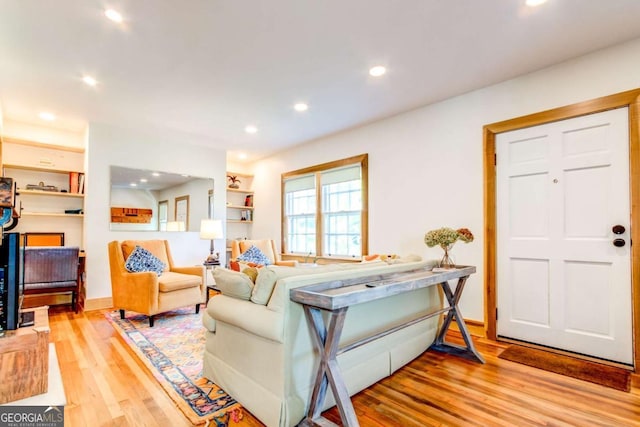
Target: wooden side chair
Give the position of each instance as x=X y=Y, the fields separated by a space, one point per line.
x=51 y=269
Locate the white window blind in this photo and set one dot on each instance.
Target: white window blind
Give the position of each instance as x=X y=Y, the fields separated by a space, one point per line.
x=300 y=213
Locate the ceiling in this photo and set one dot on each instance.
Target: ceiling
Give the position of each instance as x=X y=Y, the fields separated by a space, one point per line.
x=209 y=68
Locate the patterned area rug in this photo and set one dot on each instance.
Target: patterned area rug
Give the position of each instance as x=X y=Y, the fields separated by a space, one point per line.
x=172 y=350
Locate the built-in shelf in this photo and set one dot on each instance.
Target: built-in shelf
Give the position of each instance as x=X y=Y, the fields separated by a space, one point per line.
x=239 y=190
x=37 y=168
x=240 y=207
x=50 y=214
x=239 y=221
x=48 y=193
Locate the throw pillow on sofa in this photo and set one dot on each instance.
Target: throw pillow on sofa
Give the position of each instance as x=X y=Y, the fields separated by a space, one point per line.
x=241 y=265
x=233 y=283
x=255 y=255
x=142 y=260
x=252 y=272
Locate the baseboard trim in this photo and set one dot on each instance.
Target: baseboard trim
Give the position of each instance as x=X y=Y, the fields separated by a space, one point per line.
x=98 y=303
x=561 y=352
x=476 y=327
x=477 y=323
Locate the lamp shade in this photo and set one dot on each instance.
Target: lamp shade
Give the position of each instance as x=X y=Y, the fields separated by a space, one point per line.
x=211 y=229
x=175 y=226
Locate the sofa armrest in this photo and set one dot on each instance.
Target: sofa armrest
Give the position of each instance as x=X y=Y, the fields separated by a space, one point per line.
x=253 y=318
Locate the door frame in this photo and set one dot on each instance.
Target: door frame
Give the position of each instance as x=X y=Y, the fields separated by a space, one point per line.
x=630 y=99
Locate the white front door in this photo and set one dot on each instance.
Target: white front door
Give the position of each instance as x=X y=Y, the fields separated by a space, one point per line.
x=561 y=282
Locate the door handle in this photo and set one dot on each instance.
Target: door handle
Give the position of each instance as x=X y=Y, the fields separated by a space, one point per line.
x=618 y=243
x=618 y=229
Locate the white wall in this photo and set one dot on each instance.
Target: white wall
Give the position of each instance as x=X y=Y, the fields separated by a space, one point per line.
x=425 y=166
x=108 y=145
x=44 y=134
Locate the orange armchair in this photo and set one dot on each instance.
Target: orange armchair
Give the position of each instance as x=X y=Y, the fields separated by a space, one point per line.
x=268 y=247
x=146 y=292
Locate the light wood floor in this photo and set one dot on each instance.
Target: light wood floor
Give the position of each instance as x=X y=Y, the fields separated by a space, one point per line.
x=106 y=385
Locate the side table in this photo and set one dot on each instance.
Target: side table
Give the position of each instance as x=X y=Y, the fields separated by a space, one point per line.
x=210 y=266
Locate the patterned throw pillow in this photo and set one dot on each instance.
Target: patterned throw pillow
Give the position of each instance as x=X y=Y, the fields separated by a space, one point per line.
x=143 y=260
x=254 y=255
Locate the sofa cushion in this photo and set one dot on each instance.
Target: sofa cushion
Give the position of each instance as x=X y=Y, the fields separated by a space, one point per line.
x=157 y=247
x=268 y=276
x=233 y=283
x=141 y=260
x=255 y=255
x=171 y=281
x=265 y=281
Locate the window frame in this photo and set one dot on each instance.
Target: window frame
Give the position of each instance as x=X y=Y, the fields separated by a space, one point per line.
x=363 y=161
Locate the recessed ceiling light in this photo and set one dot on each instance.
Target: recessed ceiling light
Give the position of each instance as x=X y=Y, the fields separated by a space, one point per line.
x=114 y=15
x=251 y=129
x=155 y=174
x=377 y=71
x=533 y=3
x=143 y=179
x=301 y=106
x=89 y=80
x=242 y=156
x=133 y=184
x=47 y=116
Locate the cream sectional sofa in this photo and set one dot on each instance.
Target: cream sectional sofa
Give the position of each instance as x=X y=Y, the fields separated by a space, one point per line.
x=262 y=355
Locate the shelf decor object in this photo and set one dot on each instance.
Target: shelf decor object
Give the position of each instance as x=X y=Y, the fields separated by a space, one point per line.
x=211 y=229
x=445 y=237
x=234 y=182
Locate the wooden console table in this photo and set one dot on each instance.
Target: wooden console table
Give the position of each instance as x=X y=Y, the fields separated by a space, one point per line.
x=337 y=296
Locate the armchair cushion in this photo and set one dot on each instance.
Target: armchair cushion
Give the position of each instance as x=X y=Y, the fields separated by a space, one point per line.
x=171 y=281
x=255 y=255
x=142 y=260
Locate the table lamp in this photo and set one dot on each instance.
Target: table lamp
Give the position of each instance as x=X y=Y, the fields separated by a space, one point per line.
x=211 y=229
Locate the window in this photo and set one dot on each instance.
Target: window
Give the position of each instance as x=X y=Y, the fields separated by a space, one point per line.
x=325 y=208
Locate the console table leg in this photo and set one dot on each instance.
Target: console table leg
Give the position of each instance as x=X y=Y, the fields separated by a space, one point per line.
x=440 y=343
x=326 y=340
